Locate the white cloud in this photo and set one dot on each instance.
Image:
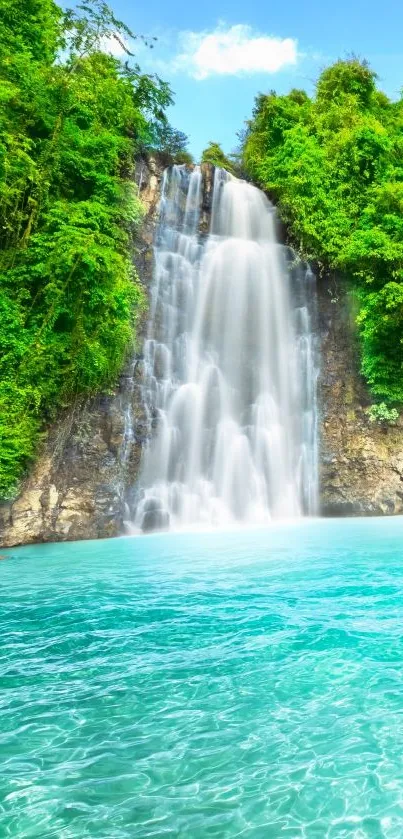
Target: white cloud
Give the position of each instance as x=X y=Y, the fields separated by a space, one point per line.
x=232 y=51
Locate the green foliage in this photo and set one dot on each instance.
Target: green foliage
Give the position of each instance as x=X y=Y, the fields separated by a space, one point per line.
x=347 y=78
x=30 y=27
x=214 y=154
x=184 y=158
x=173 y=145
x=382 y=414
x=334 y=164
x=72 y=120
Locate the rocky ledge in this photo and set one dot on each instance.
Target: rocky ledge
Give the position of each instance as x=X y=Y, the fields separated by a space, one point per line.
x=361 y=462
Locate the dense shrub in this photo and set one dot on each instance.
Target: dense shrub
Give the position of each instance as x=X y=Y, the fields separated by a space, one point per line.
x=72 y=119
x=334 y=164
x=214 y=154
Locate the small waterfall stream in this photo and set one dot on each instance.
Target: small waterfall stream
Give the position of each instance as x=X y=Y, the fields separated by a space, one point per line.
x=229 y=365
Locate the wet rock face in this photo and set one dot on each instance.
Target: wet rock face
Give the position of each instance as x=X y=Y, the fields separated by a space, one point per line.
x=77 y=488
x=361 y=462
x=207 y=171
x=155 y=518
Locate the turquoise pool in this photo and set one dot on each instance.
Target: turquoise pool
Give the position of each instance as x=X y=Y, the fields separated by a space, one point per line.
x=205 y=685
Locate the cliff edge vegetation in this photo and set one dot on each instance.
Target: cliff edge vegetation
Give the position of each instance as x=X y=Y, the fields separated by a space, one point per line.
x=334 y=165
x=73 y=118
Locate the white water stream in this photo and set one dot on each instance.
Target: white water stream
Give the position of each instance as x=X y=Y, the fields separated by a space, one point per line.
x=229 y=365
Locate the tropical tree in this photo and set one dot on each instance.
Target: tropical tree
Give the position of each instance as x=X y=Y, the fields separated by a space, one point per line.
x=334 y=165
x=72 y=121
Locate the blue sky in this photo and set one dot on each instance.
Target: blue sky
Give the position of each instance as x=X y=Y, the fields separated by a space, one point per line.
x=217 y=57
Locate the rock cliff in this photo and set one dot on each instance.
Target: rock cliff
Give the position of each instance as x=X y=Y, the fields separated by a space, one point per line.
x=361 y=462
x=77 y=488
x=79 y=485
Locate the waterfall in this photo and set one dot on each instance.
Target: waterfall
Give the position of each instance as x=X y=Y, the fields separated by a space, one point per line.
x=229 y=365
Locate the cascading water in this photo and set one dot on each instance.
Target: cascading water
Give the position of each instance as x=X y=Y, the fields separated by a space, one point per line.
x=229 y=365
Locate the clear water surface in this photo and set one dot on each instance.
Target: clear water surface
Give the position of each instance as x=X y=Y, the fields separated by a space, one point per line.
x=205 y=685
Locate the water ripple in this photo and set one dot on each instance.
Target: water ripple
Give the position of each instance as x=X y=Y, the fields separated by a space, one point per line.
x=227 y=685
